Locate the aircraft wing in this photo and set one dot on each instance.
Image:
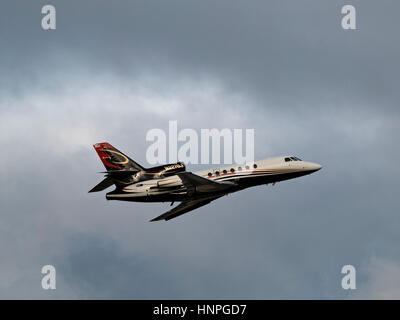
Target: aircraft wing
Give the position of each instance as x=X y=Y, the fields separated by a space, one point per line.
x=185 y=207
x=193 y=181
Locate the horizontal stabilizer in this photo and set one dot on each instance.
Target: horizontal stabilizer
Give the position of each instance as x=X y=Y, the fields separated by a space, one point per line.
x=107 y=182
x=120 y=173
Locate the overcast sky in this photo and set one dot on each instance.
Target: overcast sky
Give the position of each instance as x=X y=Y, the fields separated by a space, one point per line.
x=111 y=71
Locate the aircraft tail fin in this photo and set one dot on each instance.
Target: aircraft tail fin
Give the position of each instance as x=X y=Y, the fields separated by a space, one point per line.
x=114 y=160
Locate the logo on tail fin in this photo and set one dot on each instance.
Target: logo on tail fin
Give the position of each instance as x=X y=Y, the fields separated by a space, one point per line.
x=126 y=160
x=113 y=159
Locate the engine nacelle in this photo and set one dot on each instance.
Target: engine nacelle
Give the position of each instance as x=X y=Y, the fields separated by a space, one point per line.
x=166 y=170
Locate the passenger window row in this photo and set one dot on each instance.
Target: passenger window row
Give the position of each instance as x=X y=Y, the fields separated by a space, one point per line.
x=232 y=170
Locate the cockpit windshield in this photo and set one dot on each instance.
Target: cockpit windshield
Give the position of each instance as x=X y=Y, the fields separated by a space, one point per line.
x=287 y=159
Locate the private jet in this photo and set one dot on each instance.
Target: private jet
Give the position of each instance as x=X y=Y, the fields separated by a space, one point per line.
x=172 y=183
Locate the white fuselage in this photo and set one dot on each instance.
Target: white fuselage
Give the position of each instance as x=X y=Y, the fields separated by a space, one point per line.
x=242 y=176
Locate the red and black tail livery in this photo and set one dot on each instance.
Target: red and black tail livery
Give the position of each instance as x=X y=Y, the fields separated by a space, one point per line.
x=114 y=160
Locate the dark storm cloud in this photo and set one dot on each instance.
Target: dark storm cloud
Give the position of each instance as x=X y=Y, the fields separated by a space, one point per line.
x=112 y=71
x=281 y=51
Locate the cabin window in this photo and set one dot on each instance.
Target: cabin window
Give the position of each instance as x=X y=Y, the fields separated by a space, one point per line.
x=254 y=166
x=217 y=173
x=288 y=159
x=224 y=171
x=209 y=174
x=247 y=167
x=139 y=185
x=232 y=170
x=240 y=169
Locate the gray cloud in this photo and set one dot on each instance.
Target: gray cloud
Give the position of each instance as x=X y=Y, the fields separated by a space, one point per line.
x=113 y=71
x=382 y=279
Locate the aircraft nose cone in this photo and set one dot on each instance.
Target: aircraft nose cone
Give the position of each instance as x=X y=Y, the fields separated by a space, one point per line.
x=316 y=167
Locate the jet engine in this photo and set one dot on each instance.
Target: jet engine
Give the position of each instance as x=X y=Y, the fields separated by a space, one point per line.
x=166 y=170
